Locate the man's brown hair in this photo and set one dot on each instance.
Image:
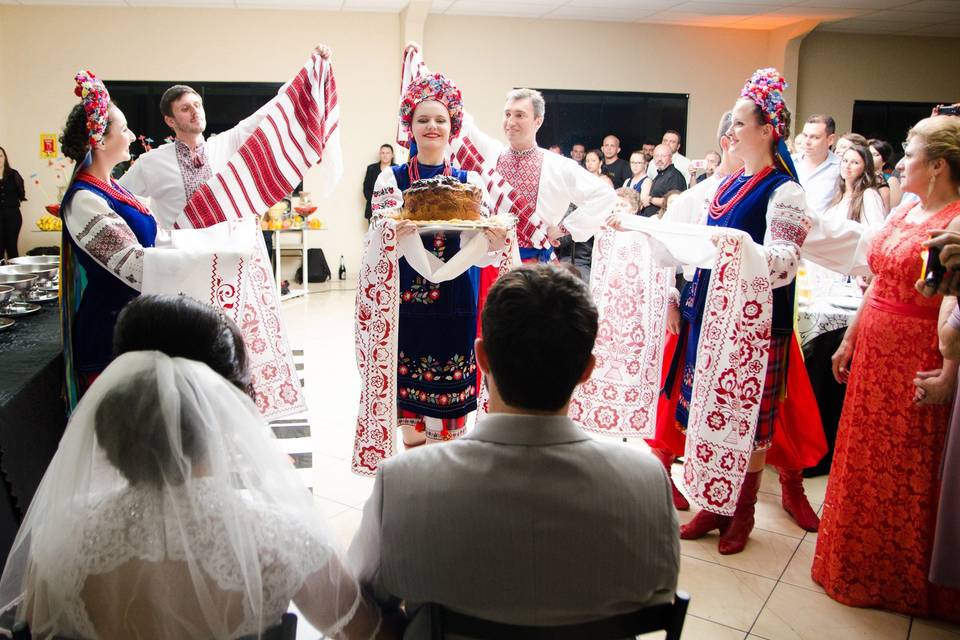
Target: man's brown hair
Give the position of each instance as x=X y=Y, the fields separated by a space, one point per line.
x=539 y=325
x=820 y=118
x=171 y=95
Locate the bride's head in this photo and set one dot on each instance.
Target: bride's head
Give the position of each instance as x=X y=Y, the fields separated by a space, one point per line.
x=150 y=424
x=150 y=433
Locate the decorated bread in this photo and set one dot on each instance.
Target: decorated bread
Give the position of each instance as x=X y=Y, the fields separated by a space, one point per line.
x=441 y=198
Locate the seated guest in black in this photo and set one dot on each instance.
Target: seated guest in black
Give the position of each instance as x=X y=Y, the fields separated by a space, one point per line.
x=668 y=179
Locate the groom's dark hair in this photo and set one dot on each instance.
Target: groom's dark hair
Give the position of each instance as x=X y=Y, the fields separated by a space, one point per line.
x=539 y=326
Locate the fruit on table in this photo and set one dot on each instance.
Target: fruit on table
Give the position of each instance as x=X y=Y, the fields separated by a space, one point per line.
x=49 y=223
x=315 y=223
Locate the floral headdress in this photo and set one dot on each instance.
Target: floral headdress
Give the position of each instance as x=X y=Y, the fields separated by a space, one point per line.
x=433 y=87
x=765 y=89
x=95 y=99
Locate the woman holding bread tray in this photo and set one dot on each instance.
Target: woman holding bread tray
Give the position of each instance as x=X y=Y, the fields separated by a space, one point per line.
x=435 y=375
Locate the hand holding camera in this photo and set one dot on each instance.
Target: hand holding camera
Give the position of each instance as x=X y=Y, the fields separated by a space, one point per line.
x=941 y=267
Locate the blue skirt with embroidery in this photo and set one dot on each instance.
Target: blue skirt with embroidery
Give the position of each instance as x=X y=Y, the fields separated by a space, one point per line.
x=436 y=370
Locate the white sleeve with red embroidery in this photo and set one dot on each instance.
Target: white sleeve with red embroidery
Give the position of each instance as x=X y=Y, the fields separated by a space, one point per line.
x=386 y=193
x=594 y=198
x=788 y=223
x=105 y=237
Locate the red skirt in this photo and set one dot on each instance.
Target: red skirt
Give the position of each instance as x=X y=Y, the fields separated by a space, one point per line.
x=797 y=441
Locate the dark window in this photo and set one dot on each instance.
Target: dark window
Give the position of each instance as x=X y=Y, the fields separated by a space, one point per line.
x=587 y=116
x=225 y=104
x=889 y=121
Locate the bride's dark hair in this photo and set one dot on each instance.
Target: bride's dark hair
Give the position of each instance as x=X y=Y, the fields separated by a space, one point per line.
x=131 y=430
x=182 y=327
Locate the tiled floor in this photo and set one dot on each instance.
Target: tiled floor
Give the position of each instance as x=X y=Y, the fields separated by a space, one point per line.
x=764 y=593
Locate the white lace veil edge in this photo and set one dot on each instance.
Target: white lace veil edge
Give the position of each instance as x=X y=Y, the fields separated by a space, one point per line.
x=169 y=511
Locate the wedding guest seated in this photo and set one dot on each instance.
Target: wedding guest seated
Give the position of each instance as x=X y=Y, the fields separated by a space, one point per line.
x=529 y=519
x=167 y=511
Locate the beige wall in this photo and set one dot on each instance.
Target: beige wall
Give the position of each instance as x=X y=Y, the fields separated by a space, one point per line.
x=838 y=68
x=42 y=47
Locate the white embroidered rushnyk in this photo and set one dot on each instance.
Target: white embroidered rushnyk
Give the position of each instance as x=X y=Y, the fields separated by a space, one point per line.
x=732 y=352
x=630 y=291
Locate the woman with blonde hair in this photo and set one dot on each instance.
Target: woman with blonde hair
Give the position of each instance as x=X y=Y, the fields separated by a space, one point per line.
x=879 y=514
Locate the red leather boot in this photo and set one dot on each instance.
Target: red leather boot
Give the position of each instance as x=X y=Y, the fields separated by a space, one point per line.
x=734 y=539
x=702 y=524
x=795 y=501
x=666 y=458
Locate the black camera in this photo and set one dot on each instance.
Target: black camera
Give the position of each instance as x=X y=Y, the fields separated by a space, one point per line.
x=948 y=110
x=933 y=269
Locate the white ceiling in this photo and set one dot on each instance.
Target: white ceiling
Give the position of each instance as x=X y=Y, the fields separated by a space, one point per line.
x=903 y=17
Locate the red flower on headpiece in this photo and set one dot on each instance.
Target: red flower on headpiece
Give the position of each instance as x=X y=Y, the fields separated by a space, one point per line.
x=96 y=100
x=765 y=89
x=433 y=87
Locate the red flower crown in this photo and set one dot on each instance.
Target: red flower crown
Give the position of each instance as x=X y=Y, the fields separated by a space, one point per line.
x=433 y=87
x=765 y=89
x=96 y=100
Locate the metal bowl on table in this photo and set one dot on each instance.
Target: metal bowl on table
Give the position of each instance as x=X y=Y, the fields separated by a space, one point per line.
x=42 y=271
x=6 y=292
x=42 y=260
x=19 y=281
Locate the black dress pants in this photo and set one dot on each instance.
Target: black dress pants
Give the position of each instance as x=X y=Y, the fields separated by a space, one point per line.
x=10 y=222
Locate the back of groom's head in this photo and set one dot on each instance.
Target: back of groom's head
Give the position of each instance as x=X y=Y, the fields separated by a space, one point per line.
x=539 y=326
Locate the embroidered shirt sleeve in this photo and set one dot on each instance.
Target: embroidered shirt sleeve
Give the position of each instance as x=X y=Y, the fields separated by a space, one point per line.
x=788 y=223
x=386 y=194
x=105 y=237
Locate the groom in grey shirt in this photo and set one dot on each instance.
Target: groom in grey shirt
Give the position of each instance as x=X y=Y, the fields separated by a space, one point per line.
x=526 y=520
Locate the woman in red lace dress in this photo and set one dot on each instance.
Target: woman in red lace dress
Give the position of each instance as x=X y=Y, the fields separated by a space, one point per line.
x=876 y=533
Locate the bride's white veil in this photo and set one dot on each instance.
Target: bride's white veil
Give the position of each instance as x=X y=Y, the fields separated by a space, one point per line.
x=168 y=512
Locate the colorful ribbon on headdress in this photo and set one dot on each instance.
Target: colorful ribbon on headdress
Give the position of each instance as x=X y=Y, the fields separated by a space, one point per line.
x=765 y=89
x=431 y=87
x=96 y=100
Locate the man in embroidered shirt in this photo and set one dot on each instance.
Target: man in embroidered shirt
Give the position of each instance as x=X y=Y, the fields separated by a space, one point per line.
x=169 y=174
x=524 y=179
x=613 y=163
x=819 y=168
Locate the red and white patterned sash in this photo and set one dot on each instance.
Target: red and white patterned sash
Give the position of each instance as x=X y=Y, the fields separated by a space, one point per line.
x=630 y=291
x=299 y=130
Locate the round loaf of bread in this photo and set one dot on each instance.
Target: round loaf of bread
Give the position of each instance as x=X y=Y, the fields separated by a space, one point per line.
x=441 y=198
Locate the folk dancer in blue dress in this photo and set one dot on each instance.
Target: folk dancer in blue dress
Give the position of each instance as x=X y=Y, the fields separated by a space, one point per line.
x=436 y=370
x=105 y=233
x=765 y=200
